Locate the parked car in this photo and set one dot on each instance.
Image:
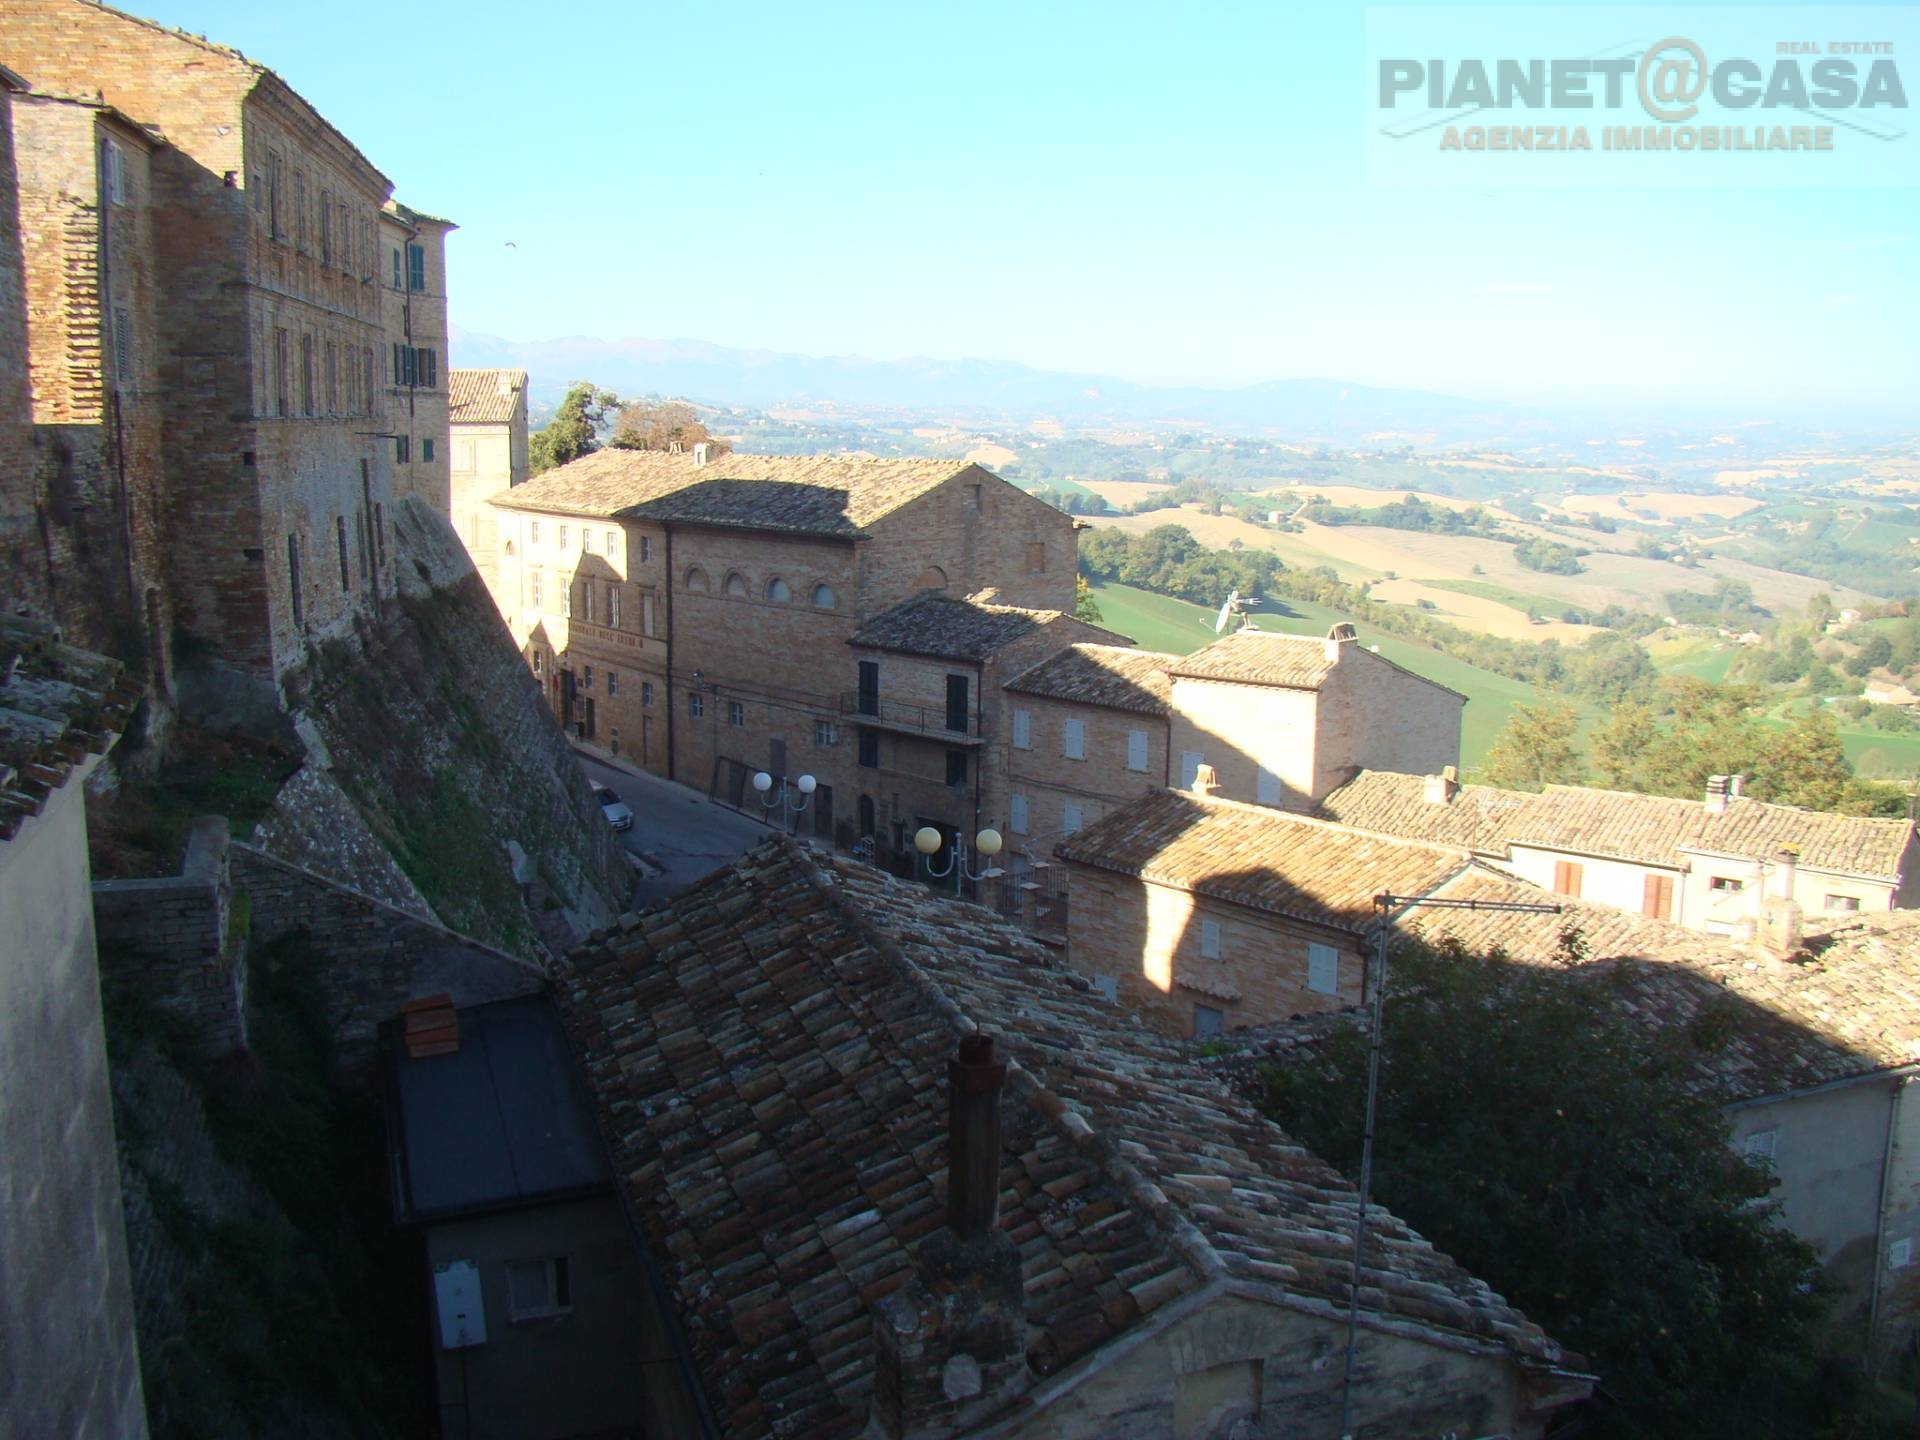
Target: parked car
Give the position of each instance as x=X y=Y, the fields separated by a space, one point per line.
x=612 y=806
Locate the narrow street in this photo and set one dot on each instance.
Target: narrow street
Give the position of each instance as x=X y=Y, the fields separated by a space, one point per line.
x=679 y=833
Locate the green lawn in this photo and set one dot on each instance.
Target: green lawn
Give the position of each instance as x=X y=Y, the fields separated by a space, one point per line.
x=1157 y=622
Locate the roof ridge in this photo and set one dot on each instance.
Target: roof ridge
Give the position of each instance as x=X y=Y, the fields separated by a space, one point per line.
x=1323 y=823
x=1100 y=1149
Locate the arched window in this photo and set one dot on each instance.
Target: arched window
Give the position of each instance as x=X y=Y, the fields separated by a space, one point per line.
x=824 y=598
x=778 y=592
x=736 y=585
x=696 y=580
x=509 y=547
x=931 y=578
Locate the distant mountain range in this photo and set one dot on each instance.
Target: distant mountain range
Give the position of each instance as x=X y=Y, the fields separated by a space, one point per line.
x=1002 y=395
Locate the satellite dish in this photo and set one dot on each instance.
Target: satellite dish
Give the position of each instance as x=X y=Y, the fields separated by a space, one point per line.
x=1227 y=611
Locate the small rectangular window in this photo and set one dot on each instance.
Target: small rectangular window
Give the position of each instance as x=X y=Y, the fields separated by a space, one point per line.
x=396 y=269
x=613 y=544
x=533 y=532
x=416 y=267
x=1266 y=786
x=340 y=535
x=1900 y=1254
x=116 y=174
x=736 y=714
x=1022 y=730
x=1073 y=743
x=613 y=606
x=1036 y=557
x=1107 y=988
x=586 y=681
x=646 y=549
x=870 y=749
x=402 y=449
x=696 y=705
x=1566 y=878
x=533 y=580
x=537 y=1288
x=1210 y=939
x=1017 y=814
x=1725 y=885
x=1845 y=904
x=646 y=692
x=1323 y=970
x=426 y=449
x=536 y=662
x=1070 y=818
x=1208 y=1021
x=956 y=768
x=586 y=601
x=613 y=682
x=563 y=537
x=646 y=615
x=1761 y=1147
x=825 y=734
x=1136 y=750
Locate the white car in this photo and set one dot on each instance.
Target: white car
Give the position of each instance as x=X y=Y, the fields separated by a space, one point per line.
x=612 y=806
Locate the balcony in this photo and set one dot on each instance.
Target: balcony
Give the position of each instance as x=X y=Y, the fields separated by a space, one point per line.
x=902 y=718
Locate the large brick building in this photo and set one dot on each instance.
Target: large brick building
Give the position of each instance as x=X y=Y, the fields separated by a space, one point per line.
x=487 y=425
x=213 y=413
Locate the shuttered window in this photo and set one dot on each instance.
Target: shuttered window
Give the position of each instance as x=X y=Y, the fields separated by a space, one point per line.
x=1136 y=750
x=1022 y=730
x=1210 y=939
x=1070 y=819
x=1566 y=878
x=1017 y=814
x=1073 y=743
x=1267 y=787
x=1657 y=897
x=1323 y=970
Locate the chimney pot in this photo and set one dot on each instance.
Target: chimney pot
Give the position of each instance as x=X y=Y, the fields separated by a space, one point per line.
x=975 y=1075
x=1205 y=780
x=1716 y=797
x=700 y=453
x=1736 y=785
x=1441 y=788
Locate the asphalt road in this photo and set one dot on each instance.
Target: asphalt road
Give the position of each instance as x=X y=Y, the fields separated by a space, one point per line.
x=679 y=833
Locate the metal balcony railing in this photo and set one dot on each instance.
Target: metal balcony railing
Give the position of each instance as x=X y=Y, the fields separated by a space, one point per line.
x=930 y=720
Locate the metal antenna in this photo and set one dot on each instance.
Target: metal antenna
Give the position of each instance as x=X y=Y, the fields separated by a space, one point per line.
x=1390 y=907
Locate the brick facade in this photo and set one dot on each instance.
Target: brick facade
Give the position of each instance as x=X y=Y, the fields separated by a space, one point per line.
x=411 y=272
x=25 y=585
x=487 y=436
x=250 y=242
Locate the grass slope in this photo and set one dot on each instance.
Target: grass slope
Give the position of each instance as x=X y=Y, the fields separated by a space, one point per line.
x=1158 y=622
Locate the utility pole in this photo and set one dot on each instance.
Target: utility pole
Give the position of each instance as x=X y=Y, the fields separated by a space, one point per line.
x=1390 y=908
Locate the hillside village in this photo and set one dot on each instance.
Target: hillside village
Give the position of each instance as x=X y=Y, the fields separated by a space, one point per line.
x=696 y=943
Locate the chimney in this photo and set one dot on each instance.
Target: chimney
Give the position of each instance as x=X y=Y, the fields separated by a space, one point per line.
x=951 y=1342
x=1716 y=795
x=1781 y=929
x=1736 y=786
x=700 y=453
x=1205 y=780
x=1341 y=634
x=1443 y=787
x=503 y=382
x=430 y=1027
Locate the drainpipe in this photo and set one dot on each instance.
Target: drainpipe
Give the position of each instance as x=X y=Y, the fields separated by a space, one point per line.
x=1880 y=1217
x=672 y=759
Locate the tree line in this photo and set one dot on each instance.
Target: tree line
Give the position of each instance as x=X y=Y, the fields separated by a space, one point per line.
x=587 y=414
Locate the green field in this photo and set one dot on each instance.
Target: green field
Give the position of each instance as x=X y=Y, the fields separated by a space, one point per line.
x=1876 y=755
x=1486 y=590
x=1158 y=622
x=1699 y=656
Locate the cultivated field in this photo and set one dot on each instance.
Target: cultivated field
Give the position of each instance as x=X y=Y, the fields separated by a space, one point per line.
x=1664 y=506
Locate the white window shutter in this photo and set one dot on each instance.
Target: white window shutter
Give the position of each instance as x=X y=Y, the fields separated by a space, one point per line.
x=1071 y=819
x=1075 y=746
x=1136 y=750
x=1017 y=814
x=1022 y=730
x=1210 y=939
x=1268 y=784
x=1323 y=970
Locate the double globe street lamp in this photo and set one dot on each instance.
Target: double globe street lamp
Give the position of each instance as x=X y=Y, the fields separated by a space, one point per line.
x=780 y=800
x=986 y=844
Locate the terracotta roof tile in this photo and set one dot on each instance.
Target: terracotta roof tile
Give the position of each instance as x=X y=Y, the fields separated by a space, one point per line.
x=835 y=495
x=1111 y=676
x=767 y=1053
x=1650 y=829
x=939 y=625
x=58 y=705
x=1267 y=859
x=484 y=397
x=1291 y=662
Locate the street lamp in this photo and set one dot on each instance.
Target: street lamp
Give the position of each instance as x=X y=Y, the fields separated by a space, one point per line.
x=987 y=844
x=788 y=807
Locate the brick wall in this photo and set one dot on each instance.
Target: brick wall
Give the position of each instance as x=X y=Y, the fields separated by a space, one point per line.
x=1050 y=781
x=1149 y=939
x=171 y=941
x=416 y=319
x=23 y=575
x=981 y=532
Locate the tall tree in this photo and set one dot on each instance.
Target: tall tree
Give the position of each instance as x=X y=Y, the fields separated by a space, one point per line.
x=1085 y=607
x=1571 y=1163
x=574 y=429
x=661 y=425
x=1538 y=747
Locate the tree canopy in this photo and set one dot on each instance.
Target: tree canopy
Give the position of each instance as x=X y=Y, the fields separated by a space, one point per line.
x=1571 y=1165
x=661 y=425
x=574 y=429
x=1539 y=746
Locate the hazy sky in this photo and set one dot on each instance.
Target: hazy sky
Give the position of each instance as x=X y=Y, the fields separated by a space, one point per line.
x=1171 y=193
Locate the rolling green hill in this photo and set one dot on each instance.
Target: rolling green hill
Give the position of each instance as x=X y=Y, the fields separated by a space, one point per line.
x=1158 y=622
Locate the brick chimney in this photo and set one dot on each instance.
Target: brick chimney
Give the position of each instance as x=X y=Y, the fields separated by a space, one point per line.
x=1205 y=780
x=1341 y=634
x=1716 y=799
x=1441 y=788
x=700 y=453
x=1781 y=921
x=951 y=1342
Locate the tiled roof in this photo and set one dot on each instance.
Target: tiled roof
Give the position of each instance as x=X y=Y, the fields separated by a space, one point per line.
x=801 y=494
x=1848 y=1005
x=1289 y=662
x=768 y=1053
x=58 y=705
x=1648 y=829
x=1107 y=675
x=1267 y=859
x=939 y=625
x=484 y=397
x=1660 y=829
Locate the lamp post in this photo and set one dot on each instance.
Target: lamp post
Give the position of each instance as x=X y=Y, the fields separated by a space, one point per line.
x=987 y=844
x=1391 y=907
x=772 y=800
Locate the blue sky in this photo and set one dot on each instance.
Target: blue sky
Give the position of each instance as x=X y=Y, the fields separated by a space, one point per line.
x=1173 y=194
